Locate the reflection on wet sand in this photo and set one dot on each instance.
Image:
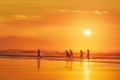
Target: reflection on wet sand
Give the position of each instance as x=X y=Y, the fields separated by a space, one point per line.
x=30 y=69
x=38 y=64
x=84 y=64
x=69 y=64
x=86 y=70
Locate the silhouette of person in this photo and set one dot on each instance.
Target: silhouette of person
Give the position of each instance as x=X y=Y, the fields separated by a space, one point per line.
x=88 y=53
x=67 y=54
x=71 y=53
x=81 y=54
x=38 y=53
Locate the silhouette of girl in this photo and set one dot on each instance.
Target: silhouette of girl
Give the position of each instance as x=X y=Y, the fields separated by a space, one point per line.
x=38 y=54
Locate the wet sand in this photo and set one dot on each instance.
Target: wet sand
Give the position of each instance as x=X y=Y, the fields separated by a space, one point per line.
x=41 y=69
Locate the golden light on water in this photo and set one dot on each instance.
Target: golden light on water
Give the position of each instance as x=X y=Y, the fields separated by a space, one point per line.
x=86 y=70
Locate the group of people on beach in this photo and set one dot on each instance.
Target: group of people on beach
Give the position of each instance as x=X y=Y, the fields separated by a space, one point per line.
x=69 y=54
x=88 y=54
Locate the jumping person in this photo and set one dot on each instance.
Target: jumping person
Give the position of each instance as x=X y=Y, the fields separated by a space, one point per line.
x=67 y=54
x=71 y=53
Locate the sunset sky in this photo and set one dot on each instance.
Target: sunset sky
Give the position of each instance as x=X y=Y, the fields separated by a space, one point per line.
x=60 y=24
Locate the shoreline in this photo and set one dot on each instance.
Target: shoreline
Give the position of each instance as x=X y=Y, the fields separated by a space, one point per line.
x=51 y=58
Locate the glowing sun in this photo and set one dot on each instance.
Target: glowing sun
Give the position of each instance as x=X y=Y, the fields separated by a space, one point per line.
x=87 y=32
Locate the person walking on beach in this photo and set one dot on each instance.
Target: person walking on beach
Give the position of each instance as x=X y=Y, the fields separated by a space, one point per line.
x=67 y=54
x=81 y=54
x=38 y=55
x=71 y=53
x=88 y=53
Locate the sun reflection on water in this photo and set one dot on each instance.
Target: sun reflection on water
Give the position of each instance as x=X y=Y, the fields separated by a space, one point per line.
x=86 y=70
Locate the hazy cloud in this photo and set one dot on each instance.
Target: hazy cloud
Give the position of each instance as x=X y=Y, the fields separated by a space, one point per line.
x=2 y=18
x=100 y=12
x=83 y=11
x=21 y=17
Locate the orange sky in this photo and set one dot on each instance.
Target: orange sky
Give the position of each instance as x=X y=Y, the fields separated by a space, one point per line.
x=53 y=24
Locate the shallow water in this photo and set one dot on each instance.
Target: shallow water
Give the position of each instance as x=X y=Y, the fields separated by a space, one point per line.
x=40 y=69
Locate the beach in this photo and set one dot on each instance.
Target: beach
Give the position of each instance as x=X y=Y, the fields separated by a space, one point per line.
x=59 y=39
x=43 y=69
